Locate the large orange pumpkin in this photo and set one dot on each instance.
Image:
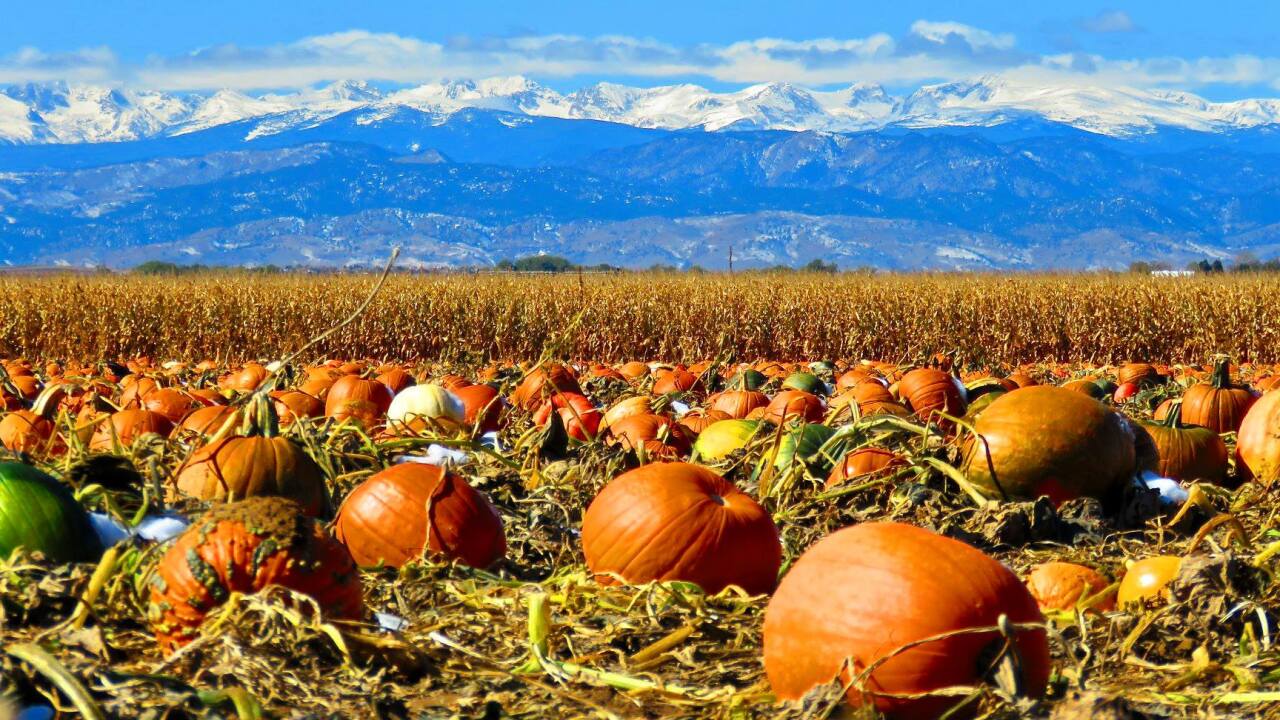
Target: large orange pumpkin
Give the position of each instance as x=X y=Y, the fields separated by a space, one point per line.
x=789 y=405
x=863 y=592
x=171 y=403
x=386 y=519
x=353 y=397
x=203 y=422
x=23 y=431
x=676 y=380
x=677 y=521
x=543 y=383
x=245 y=547
x=483 y=405
x=126 y=426
x=1258 y=440
x=928 y=391
x=248 y=379
x=1046 y=440
x=1187 y=452
x=737 y=404
x=1218 y=404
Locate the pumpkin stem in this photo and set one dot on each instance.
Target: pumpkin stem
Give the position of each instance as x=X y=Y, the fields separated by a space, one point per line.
x=1174 y=418
x=261 y=418
x=1221 y=372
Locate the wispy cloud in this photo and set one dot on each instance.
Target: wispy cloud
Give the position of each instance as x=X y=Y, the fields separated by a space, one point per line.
x=1109 y=21
x=928 y=51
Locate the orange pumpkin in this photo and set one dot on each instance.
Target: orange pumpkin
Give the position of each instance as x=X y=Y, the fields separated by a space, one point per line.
x=23 y=431
x=927 y=391
x=481 y=404
x=126 y=426
x=581 y=419
x=293 y=404
x=1258 y=440
x=541 y=384
x=1218 y=404
x=864 y=592
x=396 y=379
x=674 y=381
x=172 y=403
x=862 y=462
x=634 y=431
x=353 y=397
x=386 y=519
x=1063 y=585
x=248 y=379
x=737 y=404
x=244 y=547
x=788 y=405
x=677 y=521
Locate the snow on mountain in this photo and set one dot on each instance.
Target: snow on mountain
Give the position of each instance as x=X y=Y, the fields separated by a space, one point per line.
x=58 y=112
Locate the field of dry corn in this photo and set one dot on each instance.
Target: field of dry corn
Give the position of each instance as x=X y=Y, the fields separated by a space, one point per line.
x=984 y=318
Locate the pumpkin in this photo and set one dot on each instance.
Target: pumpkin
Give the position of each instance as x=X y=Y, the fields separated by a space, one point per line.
x=481 y=405
x=806 y=382
x=634 y=431
x=244 y=547
x=40 y=514
x=172 y=403
x=695 y=423
x=1258 y=440
x=748 y=379
x=674 y=381
x=633 y=370
x=1046 y=440
x=718 y=439
x=256 y=464
x=353 y=397
x=1148 y=580
x=23 y=431
x=1125 y=392
x=1086 y=387
x=291 y=405
x=738 y=403
x=134 y=388
x=677 y=521
x=1218 y=405
x=802 y=445
x=542 y=383
x=862 y=462
x=396 y=380
x=866 y=591
x=1187 y=452
x=581 y=419
x=1022 y=379
x=927 y=391
x=126 y=426
x=1062 y=586
x=425 y=405
x=247 y=380
x=385 y=520
x=794 y=404
x=203 y=422
x=1138 y=373
x=626 y=407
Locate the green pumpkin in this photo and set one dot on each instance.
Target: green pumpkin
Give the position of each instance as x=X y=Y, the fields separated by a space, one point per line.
x=722 y=437
x=1187 y=452
x=748 y=380
x=805 y=382
x=801 y=445
x=39 y=513
x=981 y=403
x=1046 y=440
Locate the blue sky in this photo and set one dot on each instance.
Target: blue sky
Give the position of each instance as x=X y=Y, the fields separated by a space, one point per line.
x=1222 y=50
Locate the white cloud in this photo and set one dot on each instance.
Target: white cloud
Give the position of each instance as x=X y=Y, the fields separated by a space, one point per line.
x=1110 y=21
x=929 y=51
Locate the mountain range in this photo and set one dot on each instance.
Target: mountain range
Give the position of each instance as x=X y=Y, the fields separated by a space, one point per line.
x=980 y=174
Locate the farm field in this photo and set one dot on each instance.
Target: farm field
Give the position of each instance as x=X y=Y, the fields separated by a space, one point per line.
x=640 y=495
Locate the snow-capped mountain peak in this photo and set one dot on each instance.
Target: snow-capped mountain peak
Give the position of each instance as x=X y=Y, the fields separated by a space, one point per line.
x=71 y=113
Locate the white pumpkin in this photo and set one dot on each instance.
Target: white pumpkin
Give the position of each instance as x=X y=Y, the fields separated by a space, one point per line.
x=431 y=402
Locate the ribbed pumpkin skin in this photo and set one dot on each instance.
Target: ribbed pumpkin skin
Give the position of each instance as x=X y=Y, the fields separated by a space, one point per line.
x=1046 y=440
x=635 y=430
x=23 y=431
x=677 y=521
x=1188 y=452
x=205 y=421
x=39 y=513
x=863 y=461
x=384 y=520
x=1217 y=405
x=535 y=386
x=246 y=467
x=244 y=547
x=675 y=381
x=481 y=402
x=355 y=398
x=927 y=391
x=789 y=405
x=172 y=403
x=864 y=591
x=1258 y=440
x=126 y=426
x=291 y=405
x=739 y=403
x=1061 y=585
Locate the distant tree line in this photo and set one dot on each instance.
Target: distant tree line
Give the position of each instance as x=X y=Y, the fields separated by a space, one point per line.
x=160 y=267
x=1243 y=263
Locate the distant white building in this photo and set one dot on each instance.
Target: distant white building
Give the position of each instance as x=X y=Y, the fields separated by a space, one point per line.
x=1172 y=273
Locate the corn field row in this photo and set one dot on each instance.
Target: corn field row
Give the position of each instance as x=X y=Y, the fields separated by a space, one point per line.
x=985 y=318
